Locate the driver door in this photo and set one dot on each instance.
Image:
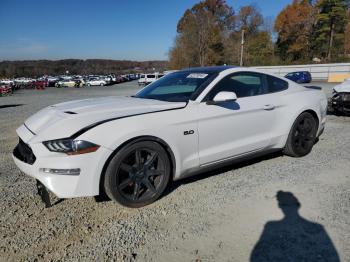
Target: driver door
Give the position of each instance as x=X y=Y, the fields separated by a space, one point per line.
x=230 y=129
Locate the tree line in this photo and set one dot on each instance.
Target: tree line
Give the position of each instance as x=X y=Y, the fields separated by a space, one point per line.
x=210 y=33
x=35 y=68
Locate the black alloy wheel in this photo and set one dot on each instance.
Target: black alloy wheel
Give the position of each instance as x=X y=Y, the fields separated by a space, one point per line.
x=302 y=137
x=138 y=174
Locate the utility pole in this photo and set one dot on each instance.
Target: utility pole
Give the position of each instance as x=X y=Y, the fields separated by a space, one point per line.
x=242 y=48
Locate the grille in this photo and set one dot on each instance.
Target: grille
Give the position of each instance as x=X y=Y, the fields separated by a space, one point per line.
x=346 y=97
x=24 y=153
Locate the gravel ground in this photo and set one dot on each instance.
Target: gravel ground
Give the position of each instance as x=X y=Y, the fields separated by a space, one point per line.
x=218 y=216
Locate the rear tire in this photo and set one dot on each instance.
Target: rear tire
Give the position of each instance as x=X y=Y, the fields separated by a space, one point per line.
x=302 y=136
x=138 y=174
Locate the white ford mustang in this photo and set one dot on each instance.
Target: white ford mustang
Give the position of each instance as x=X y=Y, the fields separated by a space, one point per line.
x=182 y=124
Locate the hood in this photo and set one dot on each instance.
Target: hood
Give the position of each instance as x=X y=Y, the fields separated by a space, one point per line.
x=344 y=87
x=64 y=119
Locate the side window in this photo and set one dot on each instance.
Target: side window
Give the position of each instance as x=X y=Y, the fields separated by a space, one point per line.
x=275 y=84
x=244 y=84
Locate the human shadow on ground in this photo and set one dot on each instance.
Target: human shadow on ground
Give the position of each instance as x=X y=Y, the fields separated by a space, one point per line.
x=293 y=238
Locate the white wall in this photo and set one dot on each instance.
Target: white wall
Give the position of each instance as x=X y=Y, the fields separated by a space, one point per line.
x=318 y=71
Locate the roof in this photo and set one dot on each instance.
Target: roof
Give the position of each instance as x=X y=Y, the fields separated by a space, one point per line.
x=208 y=69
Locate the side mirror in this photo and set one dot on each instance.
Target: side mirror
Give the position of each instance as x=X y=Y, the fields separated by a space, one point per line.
x=224 y=97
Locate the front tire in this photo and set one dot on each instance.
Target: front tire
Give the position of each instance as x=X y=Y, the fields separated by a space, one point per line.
x=138 y=174
x=302 y=136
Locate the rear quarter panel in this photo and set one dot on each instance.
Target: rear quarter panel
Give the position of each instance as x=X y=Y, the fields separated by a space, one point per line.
x=294 y=102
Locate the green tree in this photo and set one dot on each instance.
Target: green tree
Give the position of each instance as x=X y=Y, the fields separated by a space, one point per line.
x=260 y=49
x=258 y=46
x=201 y=32
x=294 y=26
x=249 y=19
x=330 y=25
x=347 y=36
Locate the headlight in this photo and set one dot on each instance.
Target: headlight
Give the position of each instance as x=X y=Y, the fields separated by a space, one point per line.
x=70 y=146
x=336 y=96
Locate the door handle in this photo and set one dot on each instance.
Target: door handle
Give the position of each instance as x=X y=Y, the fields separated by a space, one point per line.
x=269 y=107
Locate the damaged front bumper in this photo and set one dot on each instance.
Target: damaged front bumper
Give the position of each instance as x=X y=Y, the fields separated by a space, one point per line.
x=43 y=193
x=340 y=102
x=63 y=175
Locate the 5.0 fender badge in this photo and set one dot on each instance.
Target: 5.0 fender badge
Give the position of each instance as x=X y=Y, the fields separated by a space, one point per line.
x=189 y=132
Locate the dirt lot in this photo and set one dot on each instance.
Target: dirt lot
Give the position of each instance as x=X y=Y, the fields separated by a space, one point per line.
x=231 y=214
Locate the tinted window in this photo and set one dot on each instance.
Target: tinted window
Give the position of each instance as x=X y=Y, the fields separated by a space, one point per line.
x=174 y=87
x=151 y=76
x=243 y=84
x=275 y=84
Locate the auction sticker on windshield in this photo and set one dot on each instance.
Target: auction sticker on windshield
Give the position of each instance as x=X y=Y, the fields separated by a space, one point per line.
x=196 y=75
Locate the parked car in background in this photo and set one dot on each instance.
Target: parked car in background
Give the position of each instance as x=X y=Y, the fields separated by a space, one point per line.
x=111 y=80
x=133 y=77
x=146 y=79
x=186 y=123
x=107 y=79
x=5 y=90
x=52 y=81
x=40 y=84
x=119 y=79
x=6 y=82
x=65 y=83
x=79 y=82
x=340 y=100
x=66 y=77
x=113 y=77
x=96 y=82
x=23 y=80
x=300 y=77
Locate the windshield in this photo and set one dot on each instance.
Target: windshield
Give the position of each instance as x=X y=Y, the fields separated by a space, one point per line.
x=175 y=87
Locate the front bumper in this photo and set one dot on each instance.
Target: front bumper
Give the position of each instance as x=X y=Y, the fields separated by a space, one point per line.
x=322 y=127
x=341 y=102
x=86 y=183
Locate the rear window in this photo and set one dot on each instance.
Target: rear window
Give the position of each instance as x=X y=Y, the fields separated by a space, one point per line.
x=276 y=84
x=151 y=76
x=247 y=79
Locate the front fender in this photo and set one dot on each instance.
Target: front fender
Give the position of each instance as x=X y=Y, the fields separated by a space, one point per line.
x=167 y=126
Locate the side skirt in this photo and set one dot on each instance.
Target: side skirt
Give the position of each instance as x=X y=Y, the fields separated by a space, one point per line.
x=227 y=162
